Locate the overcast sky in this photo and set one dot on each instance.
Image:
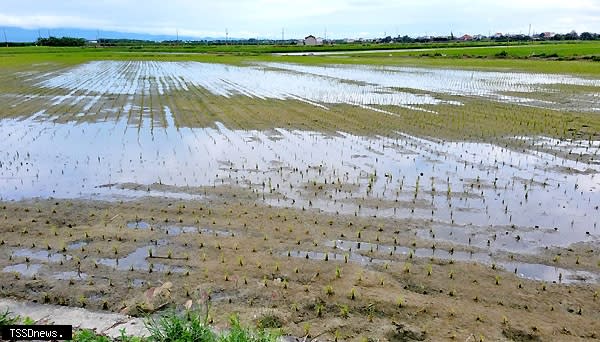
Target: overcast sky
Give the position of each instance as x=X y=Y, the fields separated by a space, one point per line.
x=339 y=18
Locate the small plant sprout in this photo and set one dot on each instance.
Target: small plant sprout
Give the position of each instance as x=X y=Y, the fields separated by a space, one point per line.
x=497 y=280
x=319 y=309
x=353 y=293
x=429 y=269
x=241 y=261
x=329 y=290
x=338 y=272
x=400 y=301
x=306 y=328
x=344 y=311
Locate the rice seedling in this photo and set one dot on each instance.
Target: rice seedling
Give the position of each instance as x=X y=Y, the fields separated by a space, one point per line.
x=329 y=290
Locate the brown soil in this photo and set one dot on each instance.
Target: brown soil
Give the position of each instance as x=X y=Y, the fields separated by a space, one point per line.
x=241 y=263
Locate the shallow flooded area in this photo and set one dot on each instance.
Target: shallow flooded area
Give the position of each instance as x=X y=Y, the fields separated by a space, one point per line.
x=293 y=187
x=476 y=194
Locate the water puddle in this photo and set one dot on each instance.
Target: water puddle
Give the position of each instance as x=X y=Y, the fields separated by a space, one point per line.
x=524 y=270
x=40 y=255
x=175 y=230
x=138 y=225
x=322 y=256
x=138 y=261
x=70 y=275
x=550 y=273
x=26 y=270
x=77 y=245
x=359 y=246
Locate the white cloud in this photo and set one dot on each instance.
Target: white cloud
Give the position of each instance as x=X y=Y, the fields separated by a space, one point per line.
x=342 y=18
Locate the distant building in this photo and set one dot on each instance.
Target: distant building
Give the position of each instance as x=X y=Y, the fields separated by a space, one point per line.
x=466 y=37
x=548 y=35
x=498 y=35
x=312 y=40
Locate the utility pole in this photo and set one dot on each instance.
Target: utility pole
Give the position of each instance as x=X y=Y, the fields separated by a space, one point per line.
x=282 y=36
x=226 y=36
x=5 y=40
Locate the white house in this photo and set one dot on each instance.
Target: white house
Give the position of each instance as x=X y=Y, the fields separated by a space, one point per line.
x=312 y=40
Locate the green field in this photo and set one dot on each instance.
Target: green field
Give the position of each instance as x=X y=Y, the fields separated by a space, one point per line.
x=567 y=57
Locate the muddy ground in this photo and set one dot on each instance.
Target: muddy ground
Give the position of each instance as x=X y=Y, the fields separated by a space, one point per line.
x=242 y=256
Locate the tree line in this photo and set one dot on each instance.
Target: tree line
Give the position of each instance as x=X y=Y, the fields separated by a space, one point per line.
x=64 y=41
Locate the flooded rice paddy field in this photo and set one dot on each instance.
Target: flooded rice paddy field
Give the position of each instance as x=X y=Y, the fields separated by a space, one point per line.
x=294 y=191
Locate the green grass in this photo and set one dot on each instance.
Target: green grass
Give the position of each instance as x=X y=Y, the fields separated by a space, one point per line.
x=519 y=48
x=455 y=55
x=6 y=318
x=193 y=327
x=89 y=336
x=172 y=327
x=539 y=50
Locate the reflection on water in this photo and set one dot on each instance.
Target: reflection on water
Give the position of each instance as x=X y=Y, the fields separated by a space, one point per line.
x=130 y=78
x=456 y=82
x=356 y=250
x=26 y=270
x=525 y=199
x=317 y=85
